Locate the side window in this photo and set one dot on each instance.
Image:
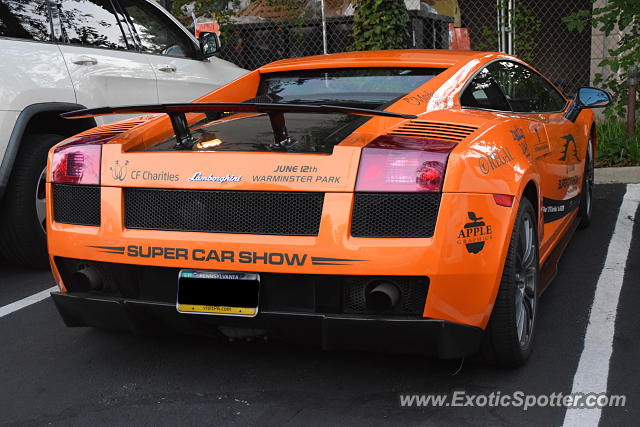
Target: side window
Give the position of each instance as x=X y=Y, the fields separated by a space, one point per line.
x=526 y=90
x=25 y=19
x=90 y=23
x=484 y=92
x=157 y=33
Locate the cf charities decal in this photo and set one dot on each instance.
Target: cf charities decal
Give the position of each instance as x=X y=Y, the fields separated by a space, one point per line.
x=121 y=171
x=118 y=171
x=474 y=234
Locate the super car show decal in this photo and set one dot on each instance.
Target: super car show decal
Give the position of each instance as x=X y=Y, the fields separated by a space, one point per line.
x=495 y=160
x=297 y=173
x=474 y=234
x=214 y=255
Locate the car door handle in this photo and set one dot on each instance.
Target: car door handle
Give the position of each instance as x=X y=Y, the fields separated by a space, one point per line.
x=167 y=68
x=84 y=60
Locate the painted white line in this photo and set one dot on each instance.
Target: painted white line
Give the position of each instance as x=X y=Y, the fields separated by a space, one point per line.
x=593 y=369
x=25 y=302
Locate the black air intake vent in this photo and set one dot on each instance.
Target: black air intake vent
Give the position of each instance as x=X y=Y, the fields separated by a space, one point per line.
x=76 y=204
x=394 y=214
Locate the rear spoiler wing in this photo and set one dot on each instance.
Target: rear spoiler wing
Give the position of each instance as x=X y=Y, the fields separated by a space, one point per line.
x=215 y=110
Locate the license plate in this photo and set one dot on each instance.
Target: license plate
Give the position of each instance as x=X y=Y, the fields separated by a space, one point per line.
x=218 y=292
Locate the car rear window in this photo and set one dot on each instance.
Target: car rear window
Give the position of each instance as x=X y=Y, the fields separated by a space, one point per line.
x=371 y=86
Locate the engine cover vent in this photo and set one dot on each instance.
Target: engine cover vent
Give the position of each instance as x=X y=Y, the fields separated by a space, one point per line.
x=434 y=130
x=111 y=128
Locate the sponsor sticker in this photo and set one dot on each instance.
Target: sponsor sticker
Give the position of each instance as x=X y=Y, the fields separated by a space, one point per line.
x=495 y=160
x=474 y=234
x=518 y=136
x=569 y=148
x=121 y=171
x=297 y=173
x=554 y=210
x=222 y=256
x=200 y=177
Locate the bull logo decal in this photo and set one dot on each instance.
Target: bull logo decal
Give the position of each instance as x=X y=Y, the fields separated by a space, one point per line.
x=119 y=172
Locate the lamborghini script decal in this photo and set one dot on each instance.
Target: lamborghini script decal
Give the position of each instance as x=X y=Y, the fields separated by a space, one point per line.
x=214 y=255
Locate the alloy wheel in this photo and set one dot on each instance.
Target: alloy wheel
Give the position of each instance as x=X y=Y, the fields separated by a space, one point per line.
x=526 y=272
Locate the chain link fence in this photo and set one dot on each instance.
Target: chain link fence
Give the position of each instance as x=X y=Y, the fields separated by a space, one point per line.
x=532 y=30
x=253 y=44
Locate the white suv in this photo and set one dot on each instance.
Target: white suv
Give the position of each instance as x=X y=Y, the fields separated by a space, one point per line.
x=62 y=55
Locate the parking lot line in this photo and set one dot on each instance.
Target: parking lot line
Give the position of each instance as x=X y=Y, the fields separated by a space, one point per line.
x=25 y=302
x=593 y=368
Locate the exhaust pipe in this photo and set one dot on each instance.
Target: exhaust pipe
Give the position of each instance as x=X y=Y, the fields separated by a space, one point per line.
x=86 y=279
x=383 y=296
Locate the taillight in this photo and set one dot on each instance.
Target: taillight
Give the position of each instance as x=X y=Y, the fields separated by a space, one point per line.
x=400 y=164
x=77 y=161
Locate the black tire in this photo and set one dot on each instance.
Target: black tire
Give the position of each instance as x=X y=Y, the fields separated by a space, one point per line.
x=505 y=344
x=23 y=241
x=586 y=195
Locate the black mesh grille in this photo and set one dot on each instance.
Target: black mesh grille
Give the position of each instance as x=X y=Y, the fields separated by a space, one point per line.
x=394 y=214
x=290 y=214
x=76 y=204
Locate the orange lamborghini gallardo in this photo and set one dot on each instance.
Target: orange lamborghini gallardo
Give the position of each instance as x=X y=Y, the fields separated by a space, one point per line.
x=412 y=201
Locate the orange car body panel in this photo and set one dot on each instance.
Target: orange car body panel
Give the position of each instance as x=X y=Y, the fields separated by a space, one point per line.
x=463 y=285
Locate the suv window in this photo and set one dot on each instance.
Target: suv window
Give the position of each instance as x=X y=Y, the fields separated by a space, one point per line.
x=89 y=23
x=526 y=90
x=156 y=32
x=25 y=19
x=484 y=92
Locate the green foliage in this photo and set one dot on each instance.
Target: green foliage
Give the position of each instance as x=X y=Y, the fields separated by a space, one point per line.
x=615 y=148
x=200 y=7
x=526 y=26
x=624 y=16
x=380 y=24
x=216 y=9
x=220 y=11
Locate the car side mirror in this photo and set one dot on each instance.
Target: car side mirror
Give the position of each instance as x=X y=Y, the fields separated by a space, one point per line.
x=587 y=97
x=590 y=97
x=209 y=44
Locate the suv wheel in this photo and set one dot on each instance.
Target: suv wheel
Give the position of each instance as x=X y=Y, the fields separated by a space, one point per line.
x=23 y=238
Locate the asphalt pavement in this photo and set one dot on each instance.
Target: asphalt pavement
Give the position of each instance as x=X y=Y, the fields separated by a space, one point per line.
x=54 y=375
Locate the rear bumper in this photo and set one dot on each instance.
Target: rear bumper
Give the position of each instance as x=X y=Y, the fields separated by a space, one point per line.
x=356 y=332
